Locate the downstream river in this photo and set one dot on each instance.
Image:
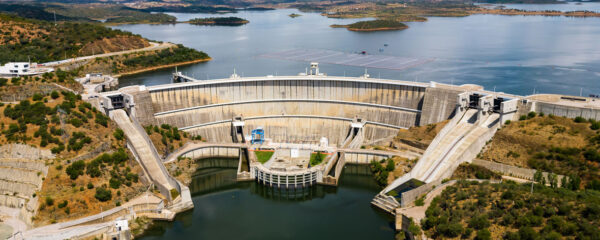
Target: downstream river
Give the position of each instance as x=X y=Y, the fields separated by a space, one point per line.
x=224 y=209
x=514 y=54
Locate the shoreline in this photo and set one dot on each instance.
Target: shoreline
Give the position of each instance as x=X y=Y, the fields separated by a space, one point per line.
x=376 y=29
x=515 y=12
x=149 y=69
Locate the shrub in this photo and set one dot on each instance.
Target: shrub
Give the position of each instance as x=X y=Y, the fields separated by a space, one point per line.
x=527 y=233
x=114 y=183
x=390 y=165
x=580 y=120
x=103 y=194
x=90 y=185
x=76 y=122
x=483 y=234
x=37 y=97
x=595 y=125
x=522 y=117
x=63 y=204
x=119 y=134
x=451 y=230
x=101 y=119
x=75 y=169
x=54 y=95
x=49 y=201
x=420 y=201
x=479 y=222
x=531 y=115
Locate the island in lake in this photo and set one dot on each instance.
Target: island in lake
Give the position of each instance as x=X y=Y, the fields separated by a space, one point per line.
x=219 y=21
x=373 y=25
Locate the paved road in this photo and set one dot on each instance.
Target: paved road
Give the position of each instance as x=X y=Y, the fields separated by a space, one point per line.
x=153 y=46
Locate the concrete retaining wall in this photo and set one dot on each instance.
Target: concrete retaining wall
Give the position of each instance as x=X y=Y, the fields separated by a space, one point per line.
x=361 y=158
x=524 y=173
x=293 y=130
x=513 y=171
x=213 y=152
x=567 y=111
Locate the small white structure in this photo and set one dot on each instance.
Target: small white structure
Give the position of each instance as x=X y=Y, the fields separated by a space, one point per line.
x=121 y=225
x=324 y=142
x=294 y=153
x=15 y=69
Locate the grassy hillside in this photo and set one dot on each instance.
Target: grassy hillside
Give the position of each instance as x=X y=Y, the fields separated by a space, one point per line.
x=472 y=210
x=41 y=41
x=419 y=137
x=167 y=138
x=129 y=63
x=549 y=143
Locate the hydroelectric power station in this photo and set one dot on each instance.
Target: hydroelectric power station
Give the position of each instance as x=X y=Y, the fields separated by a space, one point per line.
x=296 y=117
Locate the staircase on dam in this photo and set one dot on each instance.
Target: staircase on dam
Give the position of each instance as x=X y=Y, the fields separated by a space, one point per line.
x=144 y=150
x=356 y=135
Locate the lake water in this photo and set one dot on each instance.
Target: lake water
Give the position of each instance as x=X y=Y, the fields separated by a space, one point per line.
x=225 y=209
x=515 y=54
x=565 y=7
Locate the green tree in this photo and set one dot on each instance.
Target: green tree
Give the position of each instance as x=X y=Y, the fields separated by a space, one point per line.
x=483 y=234
x=390 y=165
x=103 y=194
x=75 y=169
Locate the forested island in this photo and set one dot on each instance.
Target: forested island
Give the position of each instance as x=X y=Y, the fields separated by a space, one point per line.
x=373 y=25
x=219 y=21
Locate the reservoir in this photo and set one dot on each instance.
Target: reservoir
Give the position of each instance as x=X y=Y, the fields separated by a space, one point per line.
x=226 y=209
x=513 y=54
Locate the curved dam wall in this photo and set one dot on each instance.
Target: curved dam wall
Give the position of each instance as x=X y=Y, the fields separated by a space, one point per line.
x=294 y=108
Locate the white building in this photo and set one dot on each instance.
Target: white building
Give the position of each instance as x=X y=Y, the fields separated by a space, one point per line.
x=15 y=69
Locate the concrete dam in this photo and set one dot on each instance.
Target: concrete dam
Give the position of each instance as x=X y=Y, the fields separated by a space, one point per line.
x=313 y=114
x=294 y=109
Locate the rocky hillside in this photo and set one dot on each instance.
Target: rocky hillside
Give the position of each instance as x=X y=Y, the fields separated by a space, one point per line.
x=92 y=169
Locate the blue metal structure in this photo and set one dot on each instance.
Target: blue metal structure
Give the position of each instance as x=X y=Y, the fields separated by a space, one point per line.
x=258 y=136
